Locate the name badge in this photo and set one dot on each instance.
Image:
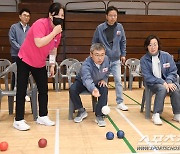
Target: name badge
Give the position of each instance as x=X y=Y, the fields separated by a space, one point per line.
x=166 y=65
x=105 y=70
x=118 y=33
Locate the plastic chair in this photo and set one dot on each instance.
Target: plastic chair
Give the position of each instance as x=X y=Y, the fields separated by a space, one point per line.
x=63 y=69
x=4 y=63
x=146 y=99
x=72 y=72
x=31 y=91
x=55 y=77
x=123 y=75
x=133 y=65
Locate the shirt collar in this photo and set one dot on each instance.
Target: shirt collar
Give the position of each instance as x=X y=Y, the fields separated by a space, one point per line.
x=23 y=25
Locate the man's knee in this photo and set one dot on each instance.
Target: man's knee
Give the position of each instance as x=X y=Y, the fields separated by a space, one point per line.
x=176 y=93
x=72 y=89
x=162 y=89
x=103 y=89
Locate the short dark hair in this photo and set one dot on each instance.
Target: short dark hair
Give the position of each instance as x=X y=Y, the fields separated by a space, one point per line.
x=55 y=7
x=24 y=10
x=111 y=8
x=148 y=40
x=97 y=46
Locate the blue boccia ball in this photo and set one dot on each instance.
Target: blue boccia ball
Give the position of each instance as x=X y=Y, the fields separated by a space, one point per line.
x=120 y=134
x=109 y=135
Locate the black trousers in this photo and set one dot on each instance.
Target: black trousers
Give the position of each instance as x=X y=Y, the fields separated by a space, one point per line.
x=77 y=87
x=40 y=77
x=14 y=59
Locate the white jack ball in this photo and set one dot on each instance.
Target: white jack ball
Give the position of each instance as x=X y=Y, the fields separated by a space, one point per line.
x=105 y=110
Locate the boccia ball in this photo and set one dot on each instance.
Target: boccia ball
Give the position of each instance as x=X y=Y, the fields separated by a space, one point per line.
x=3 y=146
x=42 y=143
x=120 y=134
x=109 y=135
x=105 y=110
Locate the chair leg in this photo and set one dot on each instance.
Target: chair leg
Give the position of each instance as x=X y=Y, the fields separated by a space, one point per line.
x=130 y=82
x=60 y=84
x=54 y=86
x=124 y=83
x=148 y=95
x=71 y=109
x=56 y=83
x=64 y=83
x=11 y=104
x=140 y=82
x=143 y=101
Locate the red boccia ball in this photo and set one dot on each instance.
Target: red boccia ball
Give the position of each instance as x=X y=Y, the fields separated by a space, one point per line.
x=42 y=143
x=3 y=146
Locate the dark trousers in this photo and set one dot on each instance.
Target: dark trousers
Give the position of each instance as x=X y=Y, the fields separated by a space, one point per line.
x=40 y=77
x=77 y=87
x=160 y=94
x=14 y=59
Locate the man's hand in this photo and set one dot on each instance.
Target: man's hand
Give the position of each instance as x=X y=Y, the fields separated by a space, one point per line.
x=123 y=60
x=102 y=83
x=96 y=93
x=172 y=86
x=166 y=86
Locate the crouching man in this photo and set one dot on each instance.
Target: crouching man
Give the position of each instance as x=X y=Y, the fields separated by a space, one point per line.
x=93 y=77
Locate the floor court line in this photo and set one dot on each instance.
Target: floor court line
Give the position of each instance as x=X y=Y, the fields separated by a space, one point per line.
x=135 y=128
x=124 y=138
x=174 y=126
x=57 y=125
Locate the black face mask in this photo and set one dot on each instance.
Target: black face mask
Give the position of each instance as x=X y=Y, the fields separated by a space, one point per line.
x=58 y=21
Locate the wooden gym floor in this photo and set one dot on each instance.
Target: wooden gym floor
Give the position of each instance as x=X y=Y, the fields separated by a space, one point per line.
x=67 y=137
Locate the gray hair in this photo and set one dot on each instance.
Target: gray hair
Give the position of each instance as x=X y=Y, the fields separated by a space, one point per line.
x=97 y=46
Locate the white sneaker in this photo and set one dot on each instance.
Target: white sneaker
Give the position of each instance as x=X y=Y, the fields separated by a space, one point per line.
x=21 y=125
x=122 y=107
x=27 y=99
x=45 y=121
x=176 y=117
x=156 y=119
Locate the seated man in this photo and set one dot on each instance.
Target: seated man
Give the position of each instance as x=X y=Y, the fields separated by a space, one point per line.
x=93 y=76
x=160 y=74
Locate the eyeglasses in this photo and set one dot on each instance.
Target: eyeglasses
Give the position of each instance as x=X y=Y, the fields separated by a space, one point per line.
x=99 y=56
x=112 y=16
x=26 y=16
x=153 y=45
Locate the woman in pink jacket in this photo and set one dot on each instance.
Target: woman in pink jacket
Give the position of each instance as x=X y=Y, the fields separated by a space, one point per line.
x=42 y=39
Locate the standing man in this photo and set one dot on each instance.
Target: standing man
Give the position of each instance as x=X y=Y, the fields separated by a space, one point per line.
x=17 y=34
x=93 y=77
x=112 y=35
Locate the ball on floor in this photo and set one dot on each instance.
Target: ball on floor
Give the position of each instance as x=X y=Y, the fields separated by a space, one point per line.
x=105 y=110
x=109 y=135
x=120 y=134
x=3 y=146
x=42 y=143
